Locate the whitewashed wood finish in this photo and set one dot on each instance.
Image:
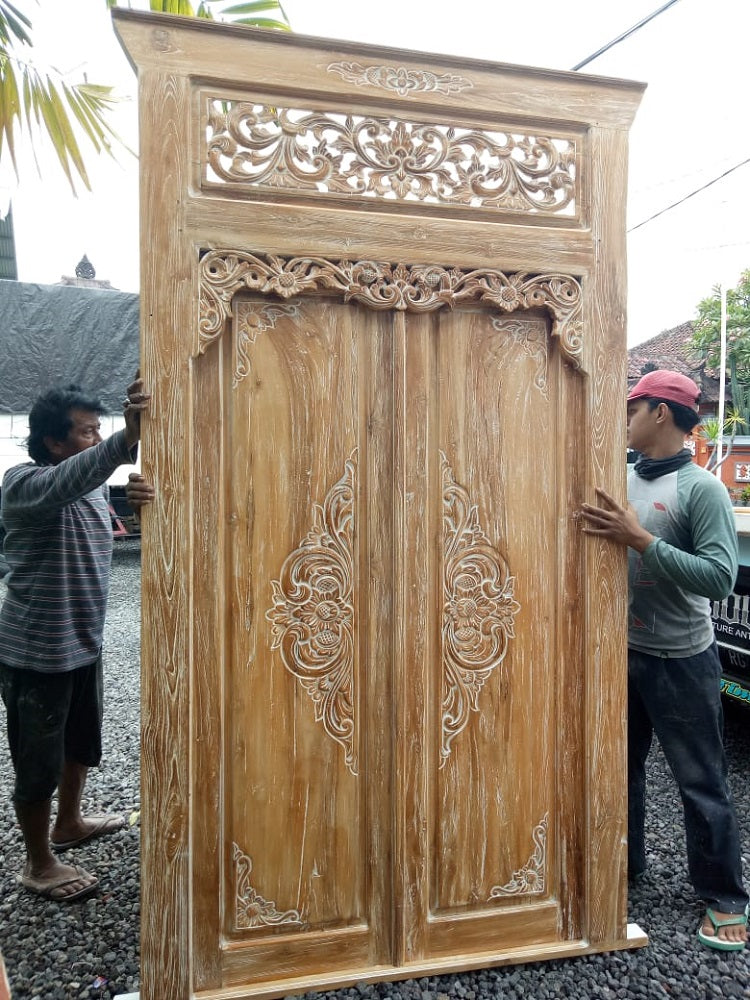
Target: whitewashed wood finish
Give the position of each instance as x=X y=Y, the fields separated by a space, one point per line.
x=404 y=81
x=226 y=272
x=252 y=147
x=337 y=785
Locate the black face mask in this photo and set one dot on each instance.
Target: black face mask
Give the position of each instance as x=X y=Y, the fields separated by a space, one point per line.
x=652 y=468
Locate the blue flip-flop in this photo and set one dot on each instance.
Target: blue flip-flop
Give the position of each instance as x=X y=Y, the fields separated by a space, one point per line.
x=713 y=940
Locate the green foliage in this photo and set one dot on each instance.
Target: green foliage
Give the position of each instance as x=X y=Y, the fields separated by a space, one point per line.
x=705 y=342
x=220 y=10
x=13 y=25
x=42 y=105
x=734 y=421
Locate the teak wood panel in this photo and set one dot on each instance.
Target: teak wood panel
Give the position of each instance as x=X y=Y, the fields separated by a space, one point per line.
x=459 y=719
x=383 y=673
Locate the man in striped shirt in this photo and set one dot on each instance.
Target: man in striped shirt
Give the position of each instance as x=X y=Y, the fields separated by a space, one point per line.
x=58 y=546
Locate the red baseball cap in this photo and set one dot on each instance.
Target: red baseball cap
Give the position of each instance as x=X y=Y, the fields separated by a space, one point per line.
x=669 y=385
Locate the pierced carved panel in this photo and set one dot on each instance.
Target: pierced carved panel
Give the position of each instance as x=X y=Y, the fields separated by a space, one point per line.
x=277 y=149
x=418 y=288
x=312 y=618
x=531 y=879
x=251 y=910
x=399 y=79
x=478 y=611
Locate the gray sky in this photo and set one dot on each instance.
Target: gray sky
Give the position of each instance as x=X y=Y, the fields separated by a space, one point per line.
x=690 y=129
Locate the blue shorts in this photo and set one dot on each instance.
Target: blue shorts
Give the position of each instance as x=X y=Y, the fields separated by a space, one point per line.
x=52 y=718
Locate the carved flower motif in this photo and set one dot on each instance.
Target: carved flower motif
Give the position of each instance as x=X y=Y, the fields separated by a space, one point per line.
x=470 y=610
x=475 y=614
x=324 y=614
x=285 y=284
x=529 y=880
x=252 y=911
x=399 y=159
x=509 y=298
x=312 y=616
x=400 y=80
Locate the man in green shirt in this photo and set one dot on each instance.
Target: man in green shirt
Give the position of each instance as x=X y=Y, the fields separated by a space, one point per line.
x=682 y=553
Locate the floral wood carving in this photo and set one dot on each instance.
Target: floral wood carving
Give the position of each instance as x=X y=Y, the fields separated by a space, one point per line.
x=399 y=79
x=253 y=318
x=312 y=617
x=531 y=337
x=478 y=611
x=250 y=909
x=419 y=288
x=291 y=149
x=531 y=880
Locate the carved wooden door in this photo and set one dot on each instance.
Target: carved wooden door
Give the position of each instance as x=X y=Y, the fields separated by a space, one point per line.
x=383 y=671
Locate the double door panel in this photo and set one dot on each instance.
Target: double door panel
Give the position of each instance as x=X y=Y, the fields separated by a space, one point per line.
x=396 y=678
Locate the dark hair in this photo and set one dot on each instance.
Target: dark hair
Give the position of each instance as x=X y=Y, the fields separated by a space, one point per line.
x=684 y=417
x=50 y=417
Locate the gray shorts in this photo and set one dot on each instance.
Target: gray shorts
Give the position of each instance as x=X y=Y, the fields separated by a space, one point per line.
x=52 y=718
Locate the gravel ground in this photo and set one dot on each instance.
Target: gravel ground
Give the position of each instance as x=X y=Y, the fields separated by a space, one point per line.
x=90 y=949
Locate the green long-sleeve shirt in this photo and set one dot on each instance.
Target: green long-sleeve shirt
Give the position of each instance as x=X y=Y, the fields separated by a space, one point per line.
x=692 y=560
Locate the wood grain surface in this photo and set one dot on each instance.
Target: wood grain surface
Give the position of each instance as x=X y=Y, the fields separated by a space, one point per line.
x=383 y=670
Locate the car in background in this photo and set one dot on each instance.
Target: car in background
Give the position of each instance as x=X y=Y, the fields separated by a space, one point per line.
x=731 y=618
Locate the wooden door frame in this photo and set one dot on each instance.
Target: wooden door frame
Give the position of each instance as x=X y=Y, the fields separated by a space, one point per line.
x=184 y=65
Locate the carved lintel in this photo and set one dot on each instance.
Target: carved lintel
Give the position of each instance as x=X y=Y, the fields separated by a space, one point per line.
x=411 y=288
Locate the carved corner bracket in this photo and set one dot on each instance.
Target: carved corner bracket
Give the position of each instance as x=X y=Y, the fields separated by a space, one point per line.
x=223 y=273
x=251 y=910
x=531 y=879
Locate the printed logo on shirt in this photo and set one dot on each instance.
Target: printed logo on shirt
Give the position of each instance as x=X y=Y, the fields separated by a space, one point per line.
x=639 y=577
x=638 y=625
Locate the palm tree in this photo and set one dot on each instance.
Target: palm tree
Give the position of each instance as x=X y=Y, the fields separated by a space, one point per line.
x=238 y=13
x=38 y=102
x=709 y=429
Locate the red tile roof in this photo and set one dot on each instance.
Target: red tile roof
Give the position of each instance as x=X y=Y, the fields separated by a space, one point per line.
x=668 y=349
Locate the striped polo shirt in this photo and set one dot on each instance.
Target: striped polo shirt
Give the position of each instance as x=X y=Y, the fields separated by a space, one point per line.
x=58 y=546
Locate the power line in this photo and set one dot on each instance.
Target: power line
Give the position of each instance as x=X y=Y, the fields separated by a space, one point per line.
x=624 y=35
x=716 y=246
x=692 y=193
